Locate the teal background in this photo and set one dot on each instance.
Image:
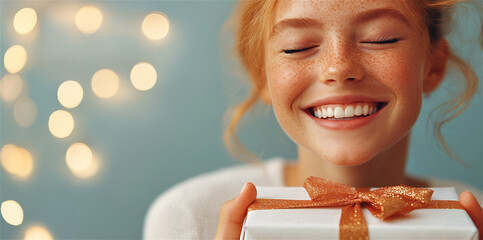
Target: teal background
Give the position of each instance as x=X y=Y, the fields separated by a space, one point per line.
x=149 y=141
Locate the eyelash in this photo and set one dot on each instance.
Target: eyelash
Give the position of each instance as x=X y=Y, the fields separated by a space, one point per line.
x=384 y=40
x=292 y=51
x=379 y=41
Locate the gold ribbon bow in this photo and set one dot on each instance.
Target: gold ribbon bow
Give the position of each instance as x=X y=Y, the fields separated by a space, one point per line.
x=382 y=203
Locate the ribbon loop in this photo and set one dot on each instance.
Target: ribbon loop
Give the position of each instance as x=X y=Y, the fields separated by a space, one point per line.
x=396 y=200
x=323 y=189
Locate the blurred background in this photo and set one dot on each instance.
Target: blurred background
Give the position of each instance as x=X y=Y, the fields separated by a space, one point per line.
x=106 y=104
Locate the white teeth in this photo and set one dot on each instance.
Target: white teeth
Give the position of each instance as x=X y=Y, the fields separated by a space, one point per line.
x=358 y=110
x=338 y=112
x=365 y=110
x=344 y=111
x=317 y=113
x=324 y=113
x=330 y=112
x=349 y=111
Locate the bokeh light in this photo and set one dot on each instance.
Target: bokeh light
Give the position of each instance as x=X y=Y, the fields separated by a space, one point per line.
x=11 y=87
x=61 y=124
x=16 y=160
x=78 y=157
x=25 y=20
x=143 y=76
x=155 y=26
x=12 y=212
x=70 y=94
x=15 y=59
x=38 y=233
x=25 y=112
x=105 y=83
x=90 y=171
x=88 y=19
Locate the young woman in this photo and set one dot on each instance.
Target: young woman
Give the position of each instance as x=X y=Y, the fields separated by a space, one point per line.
x=346 y=80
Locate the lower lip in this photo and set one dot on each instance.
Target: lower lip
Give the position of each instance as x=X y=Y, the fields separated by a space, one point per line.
x=345 y=124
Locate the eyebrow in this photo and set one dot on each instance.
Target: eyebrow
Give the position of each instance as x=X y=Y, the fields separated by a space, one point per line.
x=295 y=23
x=378 y=13
x=360 y=18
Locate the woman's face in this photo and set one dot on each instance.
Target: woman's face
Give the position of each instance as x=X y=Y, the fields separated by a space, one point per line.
x=345 y=77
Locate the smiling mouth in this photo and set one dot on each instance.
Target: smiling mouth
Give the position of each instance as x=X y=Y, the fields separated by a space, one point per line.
x=346 y=111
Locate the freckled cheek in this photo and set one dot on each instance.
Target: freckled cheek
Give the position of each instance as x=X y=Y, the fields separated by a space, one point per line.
x=404 y=77
x=403 y=74
x=287 y=81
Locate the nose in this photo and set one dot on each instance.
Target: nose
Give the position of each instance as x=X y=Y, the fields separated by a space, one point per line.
x=340 y=63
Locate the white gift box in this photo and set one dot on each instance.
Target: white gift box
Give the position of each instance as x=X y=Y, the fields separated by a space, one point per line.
x=323 y=223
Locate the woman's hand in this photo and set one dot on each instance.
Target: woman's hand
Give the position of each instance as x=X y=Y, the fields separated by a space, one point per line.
x=474 y=209
x=233 y=213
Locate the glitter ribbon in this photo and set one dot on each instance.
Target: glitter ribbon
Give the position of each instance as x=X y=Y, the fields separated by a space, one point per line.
x=382 y=203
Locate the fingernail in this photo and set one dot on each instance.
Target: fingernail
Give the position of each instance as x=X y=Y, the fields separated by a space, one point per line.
x=244 y=186
x=468 y=191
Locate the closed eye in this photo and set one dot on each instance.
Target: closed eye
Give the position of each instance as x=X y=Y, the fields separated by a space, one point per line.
x=291 y=51
x=383 y=41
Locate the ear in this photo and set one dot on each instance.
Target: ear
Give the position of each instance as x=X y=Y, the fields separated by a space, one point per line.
x=265 y=95
x=437 y=68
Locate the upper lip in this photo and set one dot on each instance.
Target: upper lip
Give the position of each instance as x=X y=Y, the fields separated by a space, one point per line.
x=346 y=99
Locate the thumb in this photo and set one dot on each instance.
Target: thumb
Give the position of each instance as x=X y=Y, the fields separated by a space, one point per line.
x=474 y=209
x=233 y=213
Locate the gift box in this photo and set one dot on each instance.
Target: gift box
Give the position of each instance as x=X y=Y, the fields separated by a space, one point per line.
x=315 y=222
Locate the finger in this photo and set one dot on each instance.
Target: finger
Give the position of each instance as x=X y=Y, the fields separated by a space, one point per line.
x=473 y=208
x=233 y=213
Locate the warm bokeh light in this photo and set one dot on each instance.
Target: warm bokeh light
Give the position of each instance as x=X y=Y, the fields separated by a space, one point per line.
x=11 y=87
x=70 y=94
x=143 y=76
x=12 y=212
x=105 y=83
x=38 y=233
x=78 y=157
x=88 y=19
x=61 y=123
x=25 y=112
x=25 y=20
x=15 y=59
x=90 y=171
x=16 y=160
x=155 y=26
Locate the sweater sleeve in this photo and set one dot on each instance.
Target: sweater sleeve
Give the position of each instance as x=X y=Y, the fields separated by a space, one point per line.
x=190 y=209
x=170 y=217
